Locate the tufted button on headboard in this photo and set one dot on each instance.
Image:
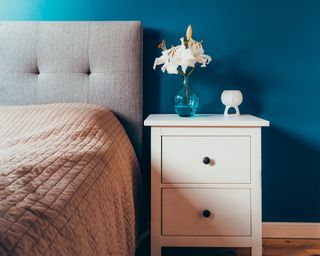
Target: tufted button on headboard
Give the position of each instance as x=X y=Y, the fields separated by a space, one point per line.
x=90 y=62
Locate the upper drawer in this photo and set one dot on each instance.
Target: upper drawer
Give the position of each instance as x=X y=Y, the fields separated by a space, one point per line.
x=185 y=159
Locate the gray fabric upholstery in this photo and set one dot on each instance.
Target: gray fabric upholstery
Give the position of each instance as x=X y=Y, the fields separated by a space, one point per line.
x=90 y=62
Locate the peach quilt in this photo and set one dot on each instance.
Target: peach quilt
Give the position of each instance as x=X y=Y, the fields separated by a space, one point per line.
x=69 y=182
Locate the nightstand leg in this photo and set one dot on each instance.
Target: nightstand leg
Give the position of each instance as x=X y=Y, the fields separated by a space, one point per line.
x=155 y=249
x=155 y=191
x=256 y=250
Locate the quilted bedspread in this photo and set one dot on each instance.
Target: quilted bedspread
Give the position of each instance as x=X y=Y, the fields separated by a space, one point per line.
x=68 y=182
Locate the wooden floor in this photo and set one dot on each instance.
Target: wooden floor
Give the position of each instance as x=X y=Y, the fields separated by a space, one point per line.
x=271 y=247
x=291 y=247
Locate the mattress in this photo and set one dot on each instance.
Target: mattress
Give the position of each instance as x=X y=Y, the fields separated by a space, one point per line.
x=69 y=182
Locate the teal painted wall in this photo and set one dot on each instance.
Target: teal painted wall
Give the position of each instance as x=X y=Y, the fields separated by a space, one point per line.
x=268 y=49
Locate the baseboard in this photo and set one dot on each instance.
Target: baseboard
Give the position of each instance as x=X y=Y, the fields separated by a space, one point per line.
x=290 y=230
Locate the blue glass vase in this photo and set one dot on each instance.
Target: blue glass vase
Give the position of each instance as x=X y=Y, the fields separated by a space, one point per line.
x=186 y=101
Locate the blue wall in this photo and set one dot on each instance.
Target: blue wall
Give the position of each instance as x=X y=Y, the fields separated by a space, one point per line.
x=268 y=49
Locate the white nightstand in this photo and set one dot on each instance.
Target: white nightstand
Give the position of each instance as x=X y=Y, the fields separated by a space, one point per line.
x=205 y=181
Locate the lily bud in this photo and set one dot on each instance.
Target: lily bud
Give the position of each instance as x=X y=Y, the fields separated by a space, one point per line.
x=189 y=32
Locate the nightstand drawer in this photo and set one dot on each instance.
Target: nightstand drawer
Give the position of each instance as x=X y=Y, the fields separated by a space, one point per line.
x=206 y=212
x=206 y=159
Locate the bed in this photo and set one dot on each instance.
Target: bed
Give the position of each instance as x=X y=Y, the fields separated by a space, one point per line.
x=71 y=131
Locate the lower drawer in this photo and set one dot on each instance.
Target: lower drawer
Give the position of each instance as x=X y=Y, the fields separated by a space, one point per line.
x=207 y=212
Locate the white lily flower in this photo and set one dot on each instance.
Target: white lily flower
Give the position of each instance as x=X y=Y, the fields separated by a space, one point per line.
x=204 y=59
x=172 y=68
x=167 y=60
x=185 y=55
x=162 y=59
x=198 y=53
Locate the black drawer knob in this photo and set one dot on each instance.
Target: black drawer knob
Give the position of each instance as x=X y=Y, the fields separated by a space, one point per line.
x=206 y=213
x=206 y=160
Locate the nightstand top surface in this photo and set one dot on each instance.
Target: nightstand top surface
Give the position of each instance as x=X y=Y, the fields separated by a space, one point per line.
x=217 y=120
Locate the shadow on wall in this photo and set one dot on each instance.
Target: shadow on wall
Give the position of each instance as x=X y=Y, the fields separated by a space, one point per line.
x=151 y=80
x=228 y=73
x=151 y=86
x=290 y=176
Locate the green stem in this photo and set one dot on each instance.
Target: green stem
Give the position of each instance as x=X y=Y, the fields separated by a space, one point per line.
x=187 y=88
x=190 y=71
x=186 y=81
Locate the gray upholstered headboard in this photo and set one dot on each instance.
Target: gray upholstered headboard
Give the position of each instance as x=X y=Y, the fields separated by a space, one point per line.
x=90 y=62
